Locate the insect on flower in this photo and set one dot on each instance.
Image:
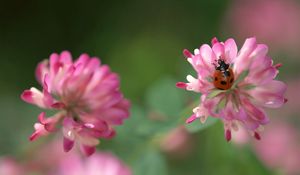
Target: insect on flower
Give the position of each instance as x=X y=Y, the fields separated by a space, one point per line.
x=223 y=76
x=86 y=95
x=235 y=86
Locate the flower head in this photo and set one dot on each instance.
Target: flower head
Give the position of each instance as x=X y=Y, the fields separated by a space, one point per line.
x=286 y=154
x=85 y=94
x=236 y=86
x=282 y=16
x=10 y=166
x=103 y=163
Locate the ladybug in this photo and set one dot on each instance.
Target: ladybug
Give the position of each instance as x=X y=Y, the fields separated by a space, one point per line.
x=223 y=76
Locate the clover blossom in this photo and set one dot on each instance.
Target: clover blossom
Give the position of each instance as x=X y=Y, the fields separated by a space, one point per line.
x=236 y=86
x=86 y=96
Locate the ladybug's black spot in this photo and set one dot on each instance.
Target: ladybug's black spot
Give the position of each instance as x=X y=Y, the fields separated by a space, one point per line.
x=231 y=80
x=216 y=78
x=227 y=73
x=223 y=82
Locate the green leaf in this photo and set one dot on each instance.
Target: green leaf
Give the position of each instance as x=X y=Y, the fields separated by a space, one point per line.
x=197 y=126
x=150 y=163
x=131 y=125
x=164 y=98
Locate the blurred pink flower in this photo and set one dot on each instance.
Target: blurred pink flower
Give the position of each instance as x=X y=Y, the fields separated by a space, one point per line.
x=101 y=163
x=280 y=148
x=86 y=95
x=51 y=160
x=275 y=22
x=177 y=142
x=9 y=166
x=235 y=86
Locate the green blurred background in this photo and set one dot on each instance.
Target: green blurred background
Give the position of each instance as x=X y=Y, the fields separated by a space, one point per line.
x=140 y=40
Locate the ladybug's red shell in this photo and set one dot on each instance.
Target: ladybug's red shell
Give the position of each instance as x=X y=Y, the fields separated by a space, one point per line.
x=223 y=79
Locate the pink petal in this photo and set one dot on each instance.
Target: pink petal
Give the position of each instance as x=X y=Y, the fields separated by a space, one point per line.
x=114 y=115
x=88 y=150
x=207 y=56
x=187 y=53
x=228 y=135
x=33 y=136
x=191 y=118
x=262 y=77
x=68 y=144
x=229 y=113
x=250 y=123
x=54 y=63
x=83 y=59
x=243 y=60
x=95 y=128
x=111 y=134
x=93 y=64
x=34 y=96
x=255 y=112
x=278 y=65
x=270 y=94
x=181 y=85
x=107 y=101
x=39 y=131
x=102 y=84
x=124 y=104
x=230 y=50
x=258 y=59
x=27 y=96
x=261 y=50
x=48 y=100
x=261 y=63
x=50 y=127
x=214 y=40
x=257 y=136
x=41 y=118
x=41 y=70
x=65 y=57
x=58 y=105
x=219 y=50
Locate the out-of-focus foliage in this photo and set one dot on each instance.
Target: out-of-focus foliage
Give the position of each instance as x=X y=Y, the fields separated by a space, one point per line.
x=143 y=42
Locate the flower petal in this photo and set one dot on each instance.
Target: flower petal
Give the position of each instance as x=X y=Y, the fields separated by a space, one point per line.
x=191 y=118
x=115 y=116
x=187 y=53
x=65 y=57
x=219 y=50
x=208 y=57
x=230 y=50
x=242 y=61
x=270 y=95
x=88 y=150
x=181 y=85
x=39 y=131
x=262 y=77
x=34 y=96
x=254 y=112
x=41 y=70
x=68 y=144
